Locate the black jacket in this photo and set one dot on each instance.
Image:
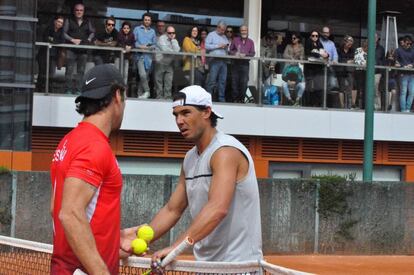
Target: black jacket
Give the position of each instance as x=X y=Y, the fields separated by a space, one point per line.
x=85 y=32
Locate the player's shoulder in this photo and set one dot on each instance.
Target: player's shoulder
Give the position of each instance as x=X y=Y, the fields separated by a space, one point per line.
x=227 y=140
x=88 y=139
x=228 y=144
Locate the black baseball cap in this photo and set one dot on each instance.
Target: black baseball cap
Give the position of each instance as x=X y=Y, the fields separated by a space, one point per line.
x=97 y=81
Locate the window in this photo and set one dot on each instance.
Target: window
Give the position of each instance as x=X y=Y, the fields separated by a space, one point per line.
x=17 y=25
x=149 y=166
x=16 y=51
x=298 y=170
x=26 y=8
x=15 y=118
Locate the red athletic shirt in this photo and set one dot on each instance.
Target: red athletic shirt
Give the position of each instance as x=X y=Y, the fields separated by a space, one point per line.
x=85 y=153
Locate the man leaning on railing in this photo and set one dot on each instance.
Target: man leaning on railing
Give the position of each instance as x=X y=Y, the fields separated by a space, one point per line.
x=52 y=34
x=242 y=47
x=405 y=59
x=217 y=44
x=106 y=38
x=164 y=67
x=77 y=30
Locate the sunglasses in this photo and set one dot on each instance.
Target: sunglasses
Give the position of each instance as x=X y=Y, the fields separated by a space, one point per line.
x=110 y=24
x=171 y=32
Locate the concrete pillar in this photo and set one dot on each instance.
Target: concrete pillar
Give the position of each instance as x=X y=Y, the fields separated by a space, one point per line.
x=253 y=18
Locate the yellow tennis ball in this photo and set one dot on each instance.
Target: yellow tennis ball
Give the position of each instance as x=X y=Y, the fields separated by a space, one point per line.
x=139 y=246
x=146 y=233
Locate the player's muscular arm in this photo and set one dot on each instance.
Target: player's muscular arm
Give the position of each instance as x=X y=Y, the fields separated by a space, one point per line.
x=168 y=216
x=165 y=219
x=76 y=196
x=225 y=164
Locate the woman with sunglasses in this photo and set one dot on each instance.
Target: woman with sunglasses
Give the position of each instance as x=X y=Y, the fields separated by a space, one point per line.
x=314 y=51
x=292 y=73
x=294 y=50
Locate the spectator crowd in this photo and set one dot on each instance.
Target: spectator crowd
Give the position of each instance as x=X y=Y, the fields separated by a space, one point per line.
x=154 y=69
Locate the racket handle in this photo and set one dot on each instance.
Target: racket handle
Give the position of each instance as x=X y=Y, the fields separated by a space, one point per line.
x=188 y=242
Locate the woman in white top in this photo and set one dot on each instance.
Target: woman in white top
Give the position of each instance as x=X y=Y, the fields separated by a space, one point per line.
x=360 y=58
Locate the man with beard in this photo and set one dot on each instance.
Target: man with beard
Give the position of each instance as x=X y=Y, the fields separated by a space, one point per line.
x=242 y=47
x=217 y=183
x=329 y=45
x=330 y=48
x=106 y=38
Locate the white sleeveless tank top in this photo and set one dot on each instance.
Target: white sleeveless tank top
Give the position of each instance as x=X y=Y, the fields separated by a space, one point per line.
x=238 y=237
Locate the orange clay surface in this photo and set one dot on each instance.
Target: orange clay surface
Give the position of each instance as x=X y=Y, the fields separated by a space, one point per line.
x=341 y=265
x=361 y=265
x=38 y=263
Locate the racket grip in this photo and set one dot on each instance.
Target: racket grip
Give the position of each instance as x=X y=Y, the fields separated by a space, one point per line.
x=188 y=242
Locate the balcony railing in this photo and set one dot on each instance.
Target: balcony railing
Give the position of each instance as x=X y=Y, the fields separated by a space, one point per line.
x=172 y=63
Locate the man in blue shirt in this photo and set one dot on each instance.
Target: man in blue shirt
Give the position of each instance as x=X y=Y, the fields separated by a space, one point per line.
x=217 y=44
x=329 y=45
x=145 y=39
x=330 y=48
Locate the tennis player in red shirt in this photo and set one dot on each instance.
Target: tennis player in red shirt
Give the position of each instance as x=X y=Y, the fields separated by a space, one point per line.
x=86 y=181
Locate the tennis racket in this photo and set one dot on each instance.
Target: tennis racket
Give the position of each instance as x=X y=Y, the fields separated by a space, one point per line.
x=157 y=268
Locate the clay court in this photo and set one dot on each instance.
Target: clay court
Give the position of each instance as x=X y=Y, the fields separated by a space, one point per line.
x=26 y=257
x=38 y=263
x=338 y=265
x=327 y=264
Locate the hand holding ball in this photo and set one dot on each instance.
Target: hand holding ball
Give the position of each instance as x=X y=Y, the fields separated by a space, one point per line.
x=139 y=246
x=144 y=235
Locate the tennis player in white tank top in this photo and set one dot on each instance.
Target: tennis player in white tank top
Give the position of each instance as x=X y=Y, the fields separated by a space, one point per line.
x=218 y=184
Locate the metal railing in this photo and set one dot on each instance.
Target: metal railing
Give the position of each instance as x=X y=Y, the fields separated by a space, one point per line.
x=256 y=98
